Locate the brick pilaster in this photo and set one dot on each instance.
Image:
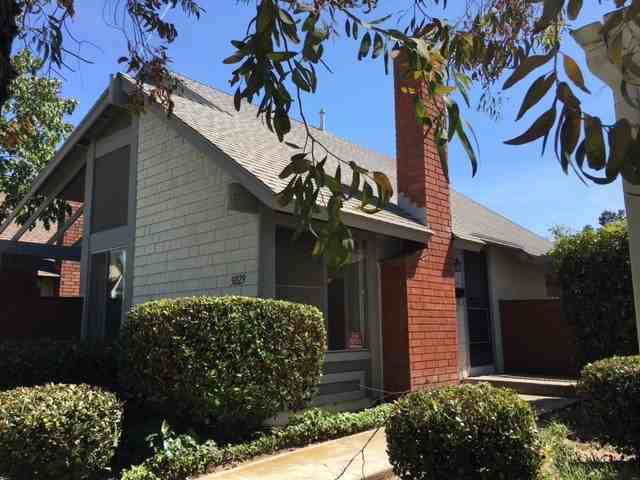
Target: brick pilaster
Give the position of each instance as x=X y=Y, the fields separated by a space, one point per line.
x=70 y=271
x=427 y=276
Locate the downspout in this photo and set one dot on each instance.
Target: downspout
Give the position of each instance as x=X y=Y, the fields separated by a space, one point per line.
x=592 y=42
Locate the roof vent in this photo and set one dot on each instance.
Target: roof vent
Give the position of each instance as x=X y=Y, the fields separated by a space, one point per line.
x=323 y=116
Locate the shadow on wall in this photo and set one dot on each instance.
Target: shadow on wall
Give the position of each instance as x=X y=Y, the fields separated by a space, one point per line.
x=26 y=315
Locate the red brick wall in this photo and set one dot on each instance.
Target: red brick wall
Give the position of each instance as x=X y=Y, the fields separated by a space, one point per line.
x=428 y=274
x=70 y=271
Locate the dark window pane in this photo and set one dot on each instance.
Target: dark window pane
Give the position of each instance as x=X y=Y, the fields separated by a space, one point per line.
x=110 y=190
x=480 y=354
x=479 y=325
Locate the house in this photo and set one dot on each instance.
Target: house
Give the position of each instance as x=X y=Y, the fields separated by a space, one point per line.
x=185 y=205
x=39 y=281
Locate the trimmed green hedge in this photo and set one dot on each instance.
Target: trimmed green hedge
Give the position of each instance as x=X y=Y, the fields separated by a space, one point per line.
x=185 y=458
x=611 y=389
x=233 y=361
x=57 y=431
x=594 y=271
x=37 y=362
x=467 y=432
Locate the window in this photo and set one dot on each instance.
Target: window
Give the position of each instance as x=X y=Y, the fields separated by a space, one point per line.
x=110 y=191
x=342 y=296
x=107 y=292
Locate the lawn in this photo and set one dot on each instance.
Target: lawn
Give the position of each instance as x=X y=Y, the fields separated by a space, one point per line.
x=574 y=454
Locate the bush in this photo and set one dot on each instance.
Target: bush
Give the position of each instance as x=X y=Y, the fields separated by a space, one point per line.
x=611 y=388
x=594 y=271
x=311 y=426
x=467 y=432
x=37 y=362
x=57 y=431
x=231 y=360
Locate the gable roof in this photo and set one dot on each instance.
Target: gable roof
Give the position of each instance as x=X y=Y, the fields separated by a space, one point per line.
x=244 y=138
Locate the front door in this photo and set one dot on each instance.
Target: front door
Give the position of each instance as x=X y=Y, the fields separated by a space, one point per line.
x=479 y=327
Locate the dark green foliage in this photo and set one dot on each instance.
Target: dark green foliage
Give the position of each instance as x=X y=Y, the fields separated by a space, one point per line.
x=67 y=432
x=467 y=432
x=36 y=362
x=234 y=361
x=611 y=388
x=594 y=272
x=308 y=427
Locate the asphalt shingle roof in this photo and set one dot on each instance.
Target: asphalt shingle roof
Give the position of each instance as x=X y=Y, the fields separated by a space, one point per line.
x=243 y=137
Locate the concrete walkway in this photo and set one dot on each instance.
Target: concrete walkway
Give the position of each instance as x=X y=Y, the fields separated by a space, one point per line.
x=324 y=461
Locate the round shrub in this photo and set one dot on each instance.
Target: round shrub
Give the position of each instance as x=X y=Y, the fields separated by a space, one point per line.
x=466 y=432
x=235 y=361
x=57 y=431
x=611 y=389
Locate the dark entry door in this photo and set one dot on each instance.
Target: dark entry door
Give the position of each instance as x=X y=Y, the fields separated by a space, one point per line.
x=478 y=311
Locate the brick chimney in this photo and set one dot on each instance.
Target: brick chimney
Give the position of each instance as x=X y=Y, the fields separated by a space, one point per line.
x=419 y=306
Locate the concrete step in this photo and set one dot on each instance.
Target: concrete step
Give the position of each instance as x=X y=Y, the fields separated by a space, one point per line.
x=547 y=405
x=538 y=386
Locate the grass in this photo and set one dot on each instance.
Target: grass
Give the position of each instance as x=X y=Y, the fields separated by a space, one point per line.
x=573 y=452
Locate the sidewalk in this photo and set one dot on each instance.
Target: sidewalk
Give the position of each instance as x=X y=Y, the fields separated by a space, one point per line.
x=324 y=461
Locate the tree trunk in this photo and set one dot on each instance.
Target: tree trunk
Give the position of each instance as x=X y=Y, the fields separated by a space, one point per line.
x=9 y=11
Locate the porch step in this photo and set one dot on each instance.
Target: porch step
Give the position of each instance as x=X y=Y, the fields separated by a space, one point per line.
x=537 y=386
x=546 y=405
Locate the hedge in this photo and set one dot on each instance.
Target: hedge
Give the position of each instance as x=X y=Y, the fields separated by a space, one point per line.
x=611 y=389
x=467 y=432
x=26 y=363
x=232 y=361
x=57 y=431
x=594 y=271
x=186 y=458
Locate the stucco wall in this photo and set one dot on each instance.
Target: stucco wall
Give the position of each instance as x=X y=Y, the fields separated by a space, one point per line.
x=511 y=278
x=187 y=241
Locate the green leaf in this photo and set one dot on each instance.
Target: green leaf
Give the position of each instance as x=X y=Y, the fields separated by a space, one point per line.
x=468 y=148
x=536 y=92
x=385 y=189
x=619 y=141
x=235 y=58
x=539 y=129
x=378 y=45
x=444 y=90
x=285 y=17
x=566 y=96
x=574 y=73
x=443 y=154
x=237 y=100
x=528 y=65
x=355 y=181
x=281 y=56
x=454 y=119
x=365 y=46
x=300 y=81
x=595 y=147
x=574 y=8
x=550 y=13
x=569 y=136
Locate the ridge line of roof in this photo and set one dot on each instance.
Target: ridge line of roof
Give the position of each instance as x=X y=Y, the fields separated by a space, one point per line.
x=297 y=120
x=368 y=149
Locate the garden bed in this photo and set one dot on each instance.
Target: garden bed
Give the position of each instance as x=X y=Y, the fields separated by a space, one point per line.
x=573 y=452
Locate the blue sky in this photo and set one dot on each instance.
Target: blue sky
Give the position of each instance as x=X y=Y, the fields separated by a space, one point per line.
x=358 y=98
